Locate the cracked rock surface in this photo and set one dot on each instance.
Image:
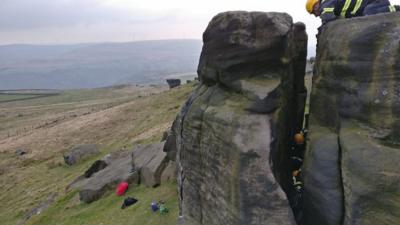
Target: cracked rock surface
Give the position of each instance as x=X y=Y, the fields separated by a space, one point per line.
x=351 y=170
x=232 y=133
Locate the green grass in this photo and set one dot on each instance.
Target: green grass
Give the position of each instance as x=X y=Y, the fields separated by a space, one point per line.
x=26 y=182
x=68 y=211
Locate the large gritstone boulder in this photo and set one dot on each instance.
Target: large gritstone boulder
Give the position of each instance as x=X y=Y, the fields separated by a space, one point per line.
x=351 y=170
x=119 y=168
x=150 y=161
x=144 y=164
x=232 y=134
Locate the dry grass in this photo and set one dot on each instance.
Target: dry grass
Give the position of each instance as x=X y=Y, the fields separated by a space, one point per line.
x=110 y=118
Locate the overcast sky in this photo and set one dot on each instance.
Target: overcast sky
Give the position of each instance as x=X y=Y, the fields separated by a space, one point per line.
x=77 y=21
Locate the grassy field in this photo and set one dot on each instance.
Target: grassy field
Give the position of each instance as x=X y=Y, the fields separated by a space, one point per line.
x=112 y=118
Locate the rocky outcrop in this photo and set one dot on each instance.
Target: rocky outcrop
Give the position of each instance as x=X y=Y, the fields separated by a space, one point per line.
x=144 y=164
x=233 y=133
x=150 y=161
x=351 y=171
x=118 y=170
x=80 y=153
x=172 y=83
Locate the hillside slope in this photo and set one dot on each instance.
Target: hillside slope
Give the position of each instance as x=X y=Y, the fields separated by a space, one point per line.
x=113 y=119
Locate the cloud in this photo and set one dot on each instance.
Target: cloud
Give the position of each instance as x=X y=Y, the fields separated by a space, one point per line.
x=28 y=14
x=72 y=21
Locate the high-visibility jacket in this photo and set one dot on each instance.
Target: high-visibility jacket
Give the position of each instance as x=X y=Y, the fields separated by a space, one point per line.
x=333 y=9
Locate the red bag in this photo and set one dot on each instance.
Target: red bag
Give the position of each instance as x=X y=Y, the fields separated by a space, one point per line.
x=121 y=188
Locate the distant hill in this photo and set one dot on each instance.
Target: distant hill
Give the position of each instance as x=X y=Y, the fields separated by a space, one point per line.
x=95 y=65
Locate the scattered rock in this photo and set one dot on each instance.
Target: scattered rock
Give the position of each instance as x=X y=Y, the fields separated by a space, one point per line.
x=20 y=152
x=39 y=209
x=172 y=83
x=80 y=153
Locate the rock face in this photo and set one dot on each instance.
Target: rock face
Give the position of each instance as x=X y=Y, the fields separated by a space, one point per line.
x=351 y=170
x=233 y=133
x=79 y=153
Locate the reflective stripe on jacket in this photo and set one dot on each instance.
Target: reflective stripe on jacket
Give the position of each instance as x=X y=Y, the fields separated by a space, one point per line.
x=332 y=9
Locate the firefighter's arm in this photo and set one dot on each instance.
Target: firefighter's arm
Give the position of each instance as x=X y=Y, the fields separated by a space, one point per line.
x=328 y=10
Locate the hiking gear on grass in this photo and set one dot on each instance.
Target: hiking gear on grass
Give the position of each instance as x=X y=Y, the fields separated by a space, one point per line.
x=121 y=188
x=163 y=209
x=154 y=206
x=128 y=201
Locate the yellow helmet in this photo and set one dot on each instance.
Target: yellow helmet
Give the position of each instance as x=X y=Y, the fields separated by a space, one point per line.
x=310 y=5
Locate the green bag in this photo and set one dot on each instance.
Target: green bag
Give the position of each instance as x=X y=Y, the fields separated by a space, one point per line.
x=163 y=209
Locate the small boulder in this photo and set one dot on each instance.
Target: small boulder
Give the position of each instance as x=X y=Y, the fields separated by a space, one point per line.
x=173 y=83
x=20 y=152
x=79 y=153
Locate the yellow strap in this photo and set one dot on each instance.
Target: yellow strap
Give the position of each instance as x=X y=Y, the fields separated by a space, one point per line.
x=328 y=10
x=392 y=8
x=358 y=4
x=345 y=8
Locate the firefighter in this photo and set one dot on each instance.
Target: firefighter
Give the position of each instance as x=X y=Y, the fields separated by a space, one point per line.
x=329 y=10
